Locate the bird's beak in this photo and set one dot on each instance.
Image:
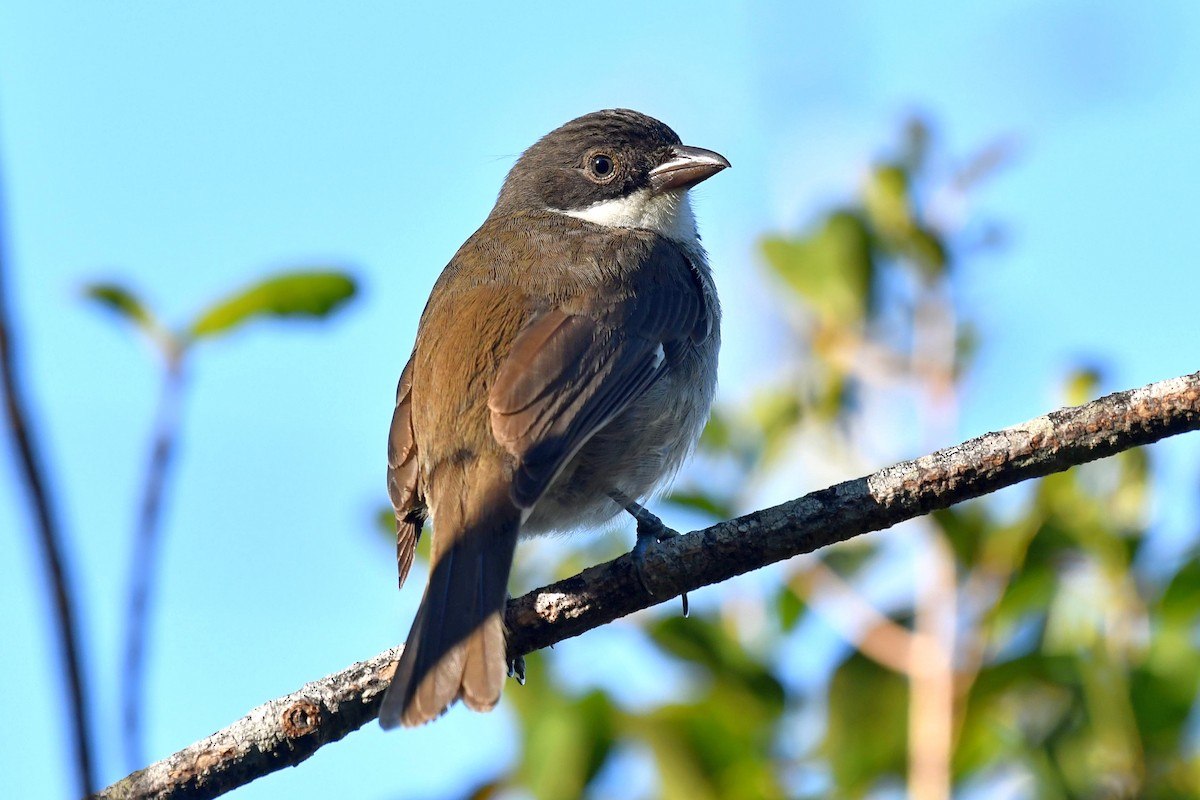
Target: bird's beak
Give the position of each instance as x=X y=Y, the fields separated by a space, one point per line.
x=686 y=167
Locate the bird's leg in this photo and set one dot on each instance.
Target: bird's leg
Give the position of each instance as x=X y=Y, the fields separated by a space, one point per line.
x=516 y=665
x=650 y=530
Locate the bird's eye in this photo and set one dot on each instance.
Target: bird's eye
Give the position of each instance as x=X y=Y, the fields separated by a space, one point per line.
x=602 y=167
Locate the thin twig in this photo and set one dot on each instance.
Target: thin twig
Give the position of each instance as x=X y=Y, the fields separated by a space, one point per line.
x=143 y=564
x=286 y=731
x=48 y=535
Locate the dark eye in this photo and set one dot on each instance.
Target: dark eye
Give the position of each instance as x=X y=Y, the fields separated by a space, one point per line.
x=602 y=166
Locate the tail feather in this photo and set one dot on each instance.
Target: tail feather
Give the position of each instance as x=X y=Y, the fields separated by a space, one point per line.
x=456 y=647
x=485 y=665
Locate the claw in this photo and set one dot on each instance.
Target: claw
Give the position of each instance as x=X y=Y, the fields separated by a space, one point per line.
x=516 y=669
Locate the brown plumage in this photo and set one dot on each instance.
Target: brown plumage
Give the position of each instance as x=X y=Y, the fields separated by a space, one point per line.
x=560 y=363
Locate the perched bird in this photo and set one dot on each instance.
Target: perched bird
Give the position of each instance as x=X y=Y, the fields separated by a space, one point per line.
x=563 y=369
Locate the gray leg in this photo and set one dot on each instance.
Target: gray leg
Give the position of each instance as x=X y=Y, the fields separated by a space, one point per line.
x=650 y=531
x=516 y=666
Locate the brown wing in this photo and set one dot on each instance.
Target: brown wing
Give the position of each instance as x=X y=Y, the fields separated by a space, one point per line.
x=569 y=372
x=402 y=477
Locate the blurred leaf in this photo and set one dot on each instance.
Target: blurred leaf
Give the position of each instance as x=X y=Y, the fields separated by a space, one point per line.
x=121 y=301
x=1014 y=708
x=789 y=607
x=718 y=434
x=713 y=749
x=1035 y=554
x=1180 y=603
x=1081 y=385
x=704 y=502
x=728 y=435
x=965 y=527
x=1165 y=685
x=834 y=399
x=775 y=413
x=385 y=521
x=829 y=267
x=1163 y=701
x=886 y=200
x=867 y=732
x=966 y=346
x=702 y=642
x=916 y=144
x=924 y=247
x=307 y=294
x=847 y=558
x=566 y=739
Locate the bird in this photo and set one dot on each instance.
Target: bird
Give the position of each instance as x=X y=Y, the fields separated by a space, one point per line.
x=563 y=369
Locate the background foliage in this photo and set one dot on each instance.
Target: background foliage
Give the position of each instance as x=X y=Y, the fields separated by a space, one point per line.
x=1017 y=641
x=1021 y=645
x=185 y=148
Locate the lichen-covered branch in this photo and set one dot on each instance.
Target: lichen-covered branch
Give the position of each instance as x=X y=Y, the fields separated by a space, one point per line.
x=285 y=731
x=280 y=733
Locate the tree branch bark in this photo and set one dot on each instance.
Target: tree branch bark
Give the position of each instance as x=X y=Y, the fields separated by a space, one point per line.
x=286 y=731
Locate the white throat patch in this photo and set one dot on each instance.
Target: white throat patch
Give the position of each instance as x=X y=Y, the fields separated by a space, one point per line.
x=668 y=214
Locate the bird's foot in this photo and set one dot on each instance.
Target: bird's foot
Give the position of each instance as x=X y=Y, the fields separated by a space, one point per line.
x=516 y=669
x=650 y=531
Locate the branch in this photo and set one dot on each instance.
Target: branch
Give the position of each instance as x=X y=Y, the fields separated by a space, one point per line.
x=285 y=731
x=143 y=566
x=49 y=540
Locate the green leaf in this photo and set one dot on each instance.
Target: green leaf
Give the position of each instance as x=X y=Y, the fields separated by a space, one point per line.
x=703 y=502
x=886 y=200
x=966 y=346
x=867 y=734
x=293 y=294
x=713 y=746
x=789 y=607
x=567 y=739
x=775 y=414
x=718 y=434
x=925 y=248
x=705 y=643
x=965 y=527
x=1165 y=684
x=1082 y=384
x=1014 y=709
x=830 y=267
x=121 y=301
x=713 y=749
x=847 y=559
x=1180 y=602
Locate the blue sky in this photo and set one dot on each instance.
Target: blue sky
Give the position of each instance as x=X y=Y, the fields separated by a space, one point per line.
x=188 y=148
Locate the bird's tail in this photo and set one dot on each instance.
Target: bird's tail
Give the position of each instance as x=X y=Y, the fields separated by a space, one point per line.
x=456 y=648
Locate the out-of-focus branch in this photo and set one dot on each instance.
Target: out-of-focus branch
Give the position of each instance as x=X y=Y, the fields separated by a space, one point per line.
x=852 y=616
x=48 y=533
x=144 y=564
x=931 y=673
x=284 y=732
